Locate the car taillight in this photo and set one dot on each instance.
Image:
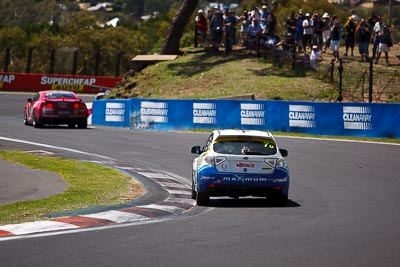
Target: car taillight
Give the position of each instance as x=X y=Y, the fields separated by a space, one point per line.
x=276 y=162
x=280 y=163
x=219 y=160
x=76 y=106
x=49 y=105
x=215 y=161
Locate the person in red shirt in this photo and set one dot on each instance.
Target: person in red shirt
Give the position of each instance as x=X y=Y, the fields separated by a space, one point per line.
x=201 y=27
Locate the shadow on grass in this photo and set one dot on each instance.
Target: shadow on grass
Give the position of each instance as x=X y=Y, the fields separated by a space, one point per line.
x=203 y=61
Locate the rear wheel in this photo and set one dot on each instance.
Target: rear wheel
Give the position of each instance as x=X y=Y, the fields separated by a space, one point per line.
x=82 y=123
x=193 y=190
x=202 y=198
x=26 y=119
x=36 y=123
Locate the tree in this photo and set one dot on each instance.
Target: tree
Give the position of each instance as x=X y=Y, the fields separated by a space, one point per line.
x=182 y=17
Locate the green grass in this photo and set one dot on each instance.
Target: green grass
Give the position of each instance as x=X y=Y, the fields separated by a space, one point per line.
x=200 y=74
x=89 y=184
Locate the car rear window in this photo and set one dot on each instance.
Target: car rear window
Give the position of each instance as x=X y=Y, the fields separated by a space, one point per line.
x=241 y=146
x=60 y=95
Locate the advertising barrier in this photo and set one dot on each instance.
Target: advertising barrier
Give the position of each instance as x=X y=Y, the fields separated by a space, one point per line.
x=340 y=119
x=10 y=81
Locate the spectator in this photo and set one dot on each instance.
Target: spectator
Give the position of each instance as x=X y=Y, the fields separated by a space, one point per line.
x=354 y=16
x=245 y=20
x=307 y=32
x=378 y=26
x=216 y=29
x=291 y=23
x=270 y=29
x=318 y=27
x=255 y=14
x=315 y=57
x=299 y=31
x=287 y=44
x=264 y=16
x=254 y=31
x=326 y=34
x=350 y=36
x=363 y=35
x=385 y=41
x=336 y=31
x=230 y=23
x=201 y=27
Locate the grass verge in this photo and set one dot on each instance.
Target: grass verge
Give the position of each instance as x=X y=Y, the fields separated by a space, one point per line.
x=89 y=184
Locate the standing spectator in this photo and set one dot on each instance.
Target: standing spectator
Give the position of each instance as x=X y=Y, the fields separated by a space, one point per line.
x=318 y=27
x=363 y=35
x=299 y=31
x=291 y=23
x=245 y=20
x=354 y=16
x=270 y=29
x=255 y=13
x=254 y=32
x=201 y=27
x=230 y=23
x=307 y=32
x=336 y=31
x=216 y=29
x=264 y=16
x=326 y=34
x=385 y=41
x=350 y=36
x=378 y=26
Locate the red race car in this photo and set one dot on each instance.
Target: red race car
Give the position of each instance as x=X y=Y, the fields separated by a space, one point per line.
x=56 y=107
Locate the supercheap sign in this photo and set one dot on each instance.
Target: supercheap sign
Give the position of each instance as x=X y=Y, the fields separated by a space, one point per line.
x=38 y=82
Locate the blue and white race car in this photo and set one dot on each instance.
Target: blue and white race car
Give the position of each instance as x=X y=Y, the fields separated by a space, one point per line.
x=239 y=163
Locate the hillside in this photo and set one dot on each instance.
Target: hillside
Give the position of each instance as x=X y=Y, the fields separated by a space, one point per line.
x=200 y=74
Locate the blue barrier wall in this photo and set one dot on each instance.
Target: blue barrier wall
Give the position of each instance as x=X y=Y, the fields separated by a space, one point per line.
x=343 y=119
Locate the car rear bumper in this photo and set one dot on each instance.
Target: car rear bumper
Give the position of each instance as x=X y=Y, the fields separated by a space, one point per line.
x=227 y=184
x=46 y=119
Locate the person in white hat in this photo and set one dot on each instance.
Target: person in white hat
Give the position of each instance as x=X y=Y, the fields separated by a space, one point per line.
x=326 y=32
x=307 y=32
x=264 y=16
x=315 y=57
x=201 y=27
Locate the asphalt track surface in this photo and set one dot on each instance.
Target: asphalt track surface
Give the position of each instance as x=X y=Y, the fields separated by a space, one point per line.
x=343 y=208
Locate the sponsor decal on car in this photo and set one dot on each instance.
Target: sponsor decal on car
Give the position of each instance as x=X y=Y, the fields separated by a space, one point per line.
x=245 y=165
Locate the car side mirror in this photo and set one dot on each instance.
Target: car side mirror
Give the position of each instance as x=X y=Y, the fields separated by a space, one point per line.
x=284 y=152
x=30 y=100
x=196 y=150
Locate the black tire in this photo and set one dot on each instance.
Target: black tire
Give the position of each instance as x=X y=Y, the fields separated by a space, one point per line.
x=82 y=123
x=202 y=198
x=26 y=119
x=193 y=190
x=35 y=122
x=71 y=125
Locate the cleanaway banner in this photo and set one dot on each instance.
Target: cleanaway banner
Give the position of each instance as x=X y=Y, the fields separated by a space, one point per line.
x=343 y=119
